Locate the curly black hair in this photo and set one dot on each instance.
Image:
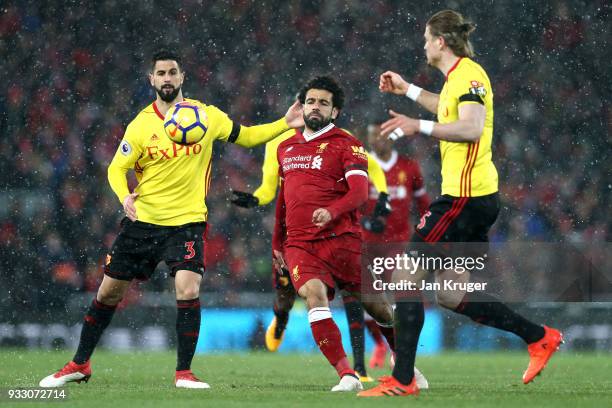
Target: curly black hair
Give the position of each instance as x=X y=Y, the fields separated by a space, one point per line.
x=328 y=84
x=166 y=55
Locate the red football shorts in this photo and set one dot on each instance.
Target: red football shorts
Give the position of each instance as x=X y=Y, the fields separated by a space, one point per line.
x=335 y=261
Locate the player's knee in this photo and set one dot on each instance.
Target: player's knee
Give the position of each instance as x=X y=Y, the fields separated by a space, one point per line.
x=188 y=293
x=314 y=297
x=382 y=313
x=187 y=285
x=109 y=298
x=316 y=300
x=314 y=291
x=387 y=315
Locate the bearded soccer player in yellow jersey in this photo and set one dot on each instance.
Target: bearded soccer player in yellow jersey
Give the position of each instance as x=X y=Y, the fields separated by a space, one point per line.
x=166 y=215
x=285 y=293
x=469 y=203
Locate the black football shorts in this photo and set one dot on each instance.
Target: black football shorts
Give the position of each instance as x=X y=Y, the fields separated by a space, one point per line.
x=140 y=246
x=458 y=219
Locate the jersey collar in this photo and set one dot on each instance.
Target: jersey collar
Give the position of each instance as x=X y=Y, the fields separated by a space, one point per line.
x=318 y=133
x=156 y=109
x=386 y=165
x=453 y=67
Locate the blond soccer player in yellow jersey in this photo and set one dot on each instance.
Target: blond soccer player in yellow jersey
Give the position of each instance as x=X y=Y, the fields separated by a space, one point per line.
x=469 y=204
x=285 y=293
x=165 y=215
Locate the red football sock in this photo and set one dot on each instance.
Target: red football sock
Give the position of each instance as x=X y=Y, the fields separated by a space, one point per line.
x=328 y=338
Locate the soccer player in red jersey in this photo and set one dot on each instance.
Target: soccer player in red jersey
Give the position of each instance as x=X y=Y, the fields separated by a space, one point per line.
x=405 y=185
x=317 y=235
x=285 y=293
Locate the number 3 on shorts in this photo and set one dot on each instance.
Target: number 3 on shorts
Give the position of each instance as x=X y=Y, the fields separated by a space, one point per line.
x=190 y=251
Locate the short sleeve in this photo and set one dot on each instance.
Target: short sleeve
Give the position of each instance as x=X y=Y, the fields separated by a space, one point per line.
x=129 y=149
x=220 y=125
x=469 y=86
x=354 y=159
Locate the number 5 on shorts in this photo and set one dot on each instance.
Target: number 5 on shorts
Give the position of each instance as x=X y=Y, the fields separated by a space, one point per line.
x=423 y=220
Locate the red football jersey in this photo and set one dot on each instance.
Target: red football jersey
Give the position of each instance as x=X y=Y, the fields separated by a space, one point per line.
x=404 y=181
x=314 y=169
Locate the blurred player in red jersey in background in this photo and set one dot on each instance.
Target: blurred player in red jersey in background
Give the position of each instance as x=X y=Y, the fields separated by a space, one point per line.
x=384 y=231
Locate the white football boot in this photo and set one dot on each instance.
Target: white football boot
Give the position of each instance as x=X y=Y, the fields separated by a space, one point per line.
x=69 y=373
x=348 y=383
x=421 y=381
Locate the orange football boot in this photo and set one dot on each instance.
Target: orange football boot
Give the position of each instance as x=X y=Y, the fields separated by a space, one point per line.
x=390 y=387
x=540 y=352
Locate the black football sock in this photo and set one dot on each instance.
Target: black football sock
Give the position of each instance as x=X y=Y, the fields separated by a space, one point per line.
x=354 y=316
x=96 y=319
x=282 y=317
x=187 y=331
x=409 y=319
x=389 y=333
x=487 y=310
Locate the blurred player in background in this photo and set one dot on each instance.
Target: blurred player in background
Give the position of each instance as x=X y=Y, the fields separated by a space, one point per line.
x=165 y=215
x=384 y=232
x=469 y=204
x=285 y=292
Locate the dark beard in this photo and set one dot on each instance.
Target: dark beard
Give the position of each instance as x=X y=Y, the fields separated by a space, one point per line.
x=168 y=97
x=316 y=123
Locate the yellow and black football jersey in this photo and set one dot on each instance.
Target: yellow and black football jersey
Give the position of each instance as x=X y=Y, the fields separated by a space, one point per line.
x=173 y=179
x=467 y=168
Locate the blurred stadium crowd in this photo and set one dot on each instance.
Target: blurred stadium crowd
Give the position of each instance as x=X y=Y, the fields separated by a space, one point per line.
x=75 y=75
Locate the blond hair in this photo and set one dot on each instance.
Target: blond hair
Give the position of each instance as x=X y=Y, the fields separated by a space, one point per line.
x=455 y=30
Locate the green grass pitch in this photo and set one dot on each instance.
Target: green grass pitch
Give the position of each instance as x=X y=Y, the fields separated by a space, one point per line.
x=263 y=379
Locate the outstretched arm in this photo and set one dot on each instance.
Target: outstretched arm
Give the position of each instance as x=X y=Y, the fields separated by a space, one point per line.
x=468 y=128
x=250 y=136
x=394 y=83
